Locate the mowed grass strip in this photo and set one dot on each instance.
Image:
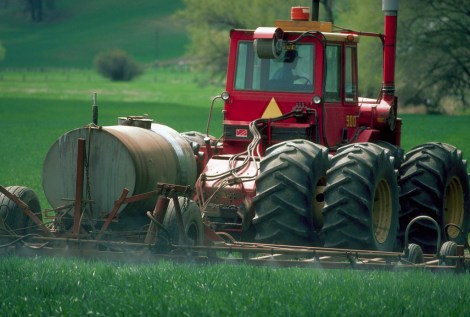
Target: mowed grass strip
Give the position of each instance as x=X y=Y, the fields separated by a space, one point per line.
x=175 y=84
x=59 y=287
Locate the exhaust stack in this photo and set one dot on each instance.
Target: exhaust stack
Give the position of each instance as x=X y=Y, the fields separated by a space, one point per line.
x=390 y=9
x=315 y=10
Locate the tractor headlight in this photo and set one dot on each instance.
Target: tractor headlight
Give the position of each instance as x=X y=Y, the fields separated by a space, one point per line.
x=225 y=96
x=316 y=99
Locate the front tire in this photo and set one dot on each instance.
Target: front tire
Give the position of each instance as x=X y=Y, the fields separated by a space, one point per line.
x=361 y=199
x=287 y=203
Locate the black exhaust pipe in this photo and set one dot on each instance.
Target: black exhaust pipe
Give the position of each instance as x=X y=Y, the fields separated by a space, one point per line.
x=315 y=10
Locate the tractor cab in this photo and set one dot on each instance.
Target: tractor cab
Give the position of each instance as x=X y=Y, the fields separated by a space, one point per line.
x=296 y=66
x=302 y=77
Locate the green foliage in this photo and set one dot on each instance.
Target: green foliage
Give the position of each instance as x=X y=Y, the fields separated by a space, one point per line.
x=209 y=23
x=59 y=287
x=434 y=54
x=117 y=65
x=366 y=16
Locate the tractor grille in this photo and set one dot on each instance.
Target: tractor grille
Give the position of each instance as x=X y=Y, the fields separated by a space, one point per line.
x=278 y=133
x=284 y=134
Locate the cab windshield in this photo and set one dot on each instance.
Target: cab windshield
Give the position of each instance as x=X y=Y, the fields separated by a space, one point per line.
x=292 y=73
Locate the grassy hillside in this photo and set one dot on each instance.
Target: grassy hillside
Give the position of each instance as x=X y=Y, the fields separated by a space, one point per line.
x=75 y=31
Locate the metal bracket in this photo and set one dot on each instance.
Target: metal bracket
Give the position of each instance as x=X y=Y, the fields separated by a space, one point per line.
x=438 y=229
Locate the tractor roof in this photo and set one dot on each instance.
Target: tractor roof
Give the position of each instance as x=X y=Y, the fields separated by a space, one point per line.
x=302 y=26
x=330 y=37
x=326 y=28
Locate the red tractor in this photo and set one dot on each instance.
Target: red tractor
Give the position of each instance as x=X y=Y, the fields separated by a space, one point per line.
x=303 y=160
x=319 y=164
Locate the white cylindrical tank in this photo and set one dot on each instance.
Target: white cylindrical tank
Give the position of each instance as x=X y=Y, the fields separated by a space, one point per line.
x=118 y=157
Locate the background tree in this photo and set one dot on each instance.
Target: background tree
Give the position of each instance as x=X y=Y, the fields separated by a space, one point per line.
x=434 y=54
x=210 y=20
x=328 y=13
x=35 y=8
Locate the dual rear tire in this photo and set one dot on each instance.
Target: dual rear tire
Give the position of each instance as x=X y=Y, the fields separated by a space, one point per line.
x=287 y=201
x=358 y=208
x=361 y=199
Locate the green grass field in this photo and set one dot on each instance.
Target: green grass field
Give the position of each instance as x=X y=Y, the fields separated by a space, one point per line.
x=56 y=287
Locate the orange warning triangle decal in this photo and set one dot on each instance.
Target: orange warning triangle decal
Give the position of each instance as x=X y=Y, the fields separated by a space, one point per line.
x=272 y=110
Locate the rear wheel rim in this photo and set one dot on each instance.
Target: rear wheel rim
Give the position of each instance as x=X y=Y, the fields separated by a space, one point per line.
x=454 y=206
x=382 y=212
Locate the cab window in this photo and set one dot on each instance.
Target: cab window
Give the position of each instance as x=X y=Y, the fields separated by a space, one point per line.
x=294 y=72
x=350 y=74
x=333 y=73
